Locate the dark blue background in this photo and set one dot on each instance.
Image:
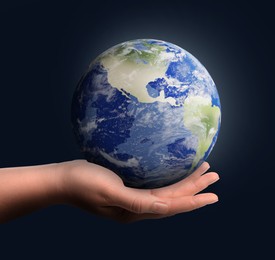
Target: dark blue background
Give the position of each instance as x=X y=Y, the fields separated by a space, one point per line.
x=45 y=46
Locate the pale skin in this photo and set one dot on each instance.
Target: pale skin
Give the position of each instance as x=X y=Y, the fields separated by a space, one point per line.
x=99 y=191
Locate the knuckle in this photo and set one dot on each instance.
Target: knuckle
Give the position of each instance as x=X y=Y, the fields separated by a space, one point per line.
x=136 y=206
x=108 y=196
x=107 y=199
x=198 y=185
x=193 y=204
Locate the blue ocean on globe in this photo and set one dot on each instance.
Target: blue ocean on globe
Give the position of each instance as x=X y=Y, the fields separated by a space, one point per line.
x=147 y=110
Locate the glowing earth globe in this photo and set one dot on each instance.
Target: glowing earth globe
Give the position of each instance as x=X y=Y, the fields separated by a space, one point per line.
x=147 y=110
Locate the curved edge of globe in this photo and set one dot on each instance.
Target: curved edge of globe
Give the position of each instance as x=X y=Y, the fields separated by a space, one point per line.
x=77 y=111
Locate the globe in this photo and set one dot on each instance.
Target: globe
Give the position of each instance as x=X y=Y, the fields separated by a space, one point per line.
x=147 y=110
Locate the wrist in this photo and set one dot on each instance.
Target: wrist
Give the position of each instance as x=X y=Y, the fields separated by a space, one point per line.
x=63 y=175
x=59 y=182
x=51 y=181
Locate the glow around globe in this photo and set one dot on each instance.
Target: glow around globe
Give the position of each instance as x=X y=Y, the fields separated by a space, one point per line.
x=147 y=110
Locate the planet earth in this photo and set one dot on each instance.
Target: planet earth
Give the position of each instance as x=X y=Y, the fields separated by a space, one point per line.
x=147 y=110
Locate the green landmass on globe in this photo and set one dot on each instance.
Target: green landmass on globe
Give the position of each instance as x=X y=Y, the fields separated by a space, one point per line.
x=148 y=110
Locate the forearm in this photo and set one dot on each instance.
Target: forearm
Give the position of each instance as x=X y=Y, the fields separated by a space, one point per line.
x=25 y=189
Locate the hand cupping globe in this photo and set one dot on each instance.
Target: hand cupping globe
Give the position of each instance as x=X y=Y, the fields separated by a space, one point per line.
x=147 y=110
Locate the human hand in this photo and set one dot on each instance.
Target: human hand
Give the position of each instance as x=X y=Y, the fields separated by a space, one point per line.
x=100 y=191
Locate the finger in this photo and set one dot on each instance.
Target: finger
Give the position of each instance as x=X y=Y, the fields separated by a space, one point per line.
x=139 y=201
x=203 y=182
x=189 y=203
x=196 y=174
x=182 y=187
x=180 y=205
x=194 y=186
x=199 y=171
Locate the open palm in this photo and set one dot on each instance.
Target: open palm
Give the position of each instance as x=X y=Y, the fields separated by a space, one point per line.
x=102 y=192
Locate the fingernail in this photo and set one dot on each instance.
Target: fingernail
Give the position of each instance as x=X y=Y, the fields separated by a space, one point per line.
x=207 y=165
x=214 y=200
x=214 y=180
x=159 y=208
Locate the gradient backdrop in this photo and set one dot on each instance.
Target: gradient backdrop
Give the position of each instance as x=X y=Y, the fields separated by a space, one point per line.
x=45 y=46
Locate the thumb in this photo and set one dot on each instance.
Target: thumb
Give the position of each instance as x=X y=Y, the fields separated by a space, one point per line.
x=140 y=201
